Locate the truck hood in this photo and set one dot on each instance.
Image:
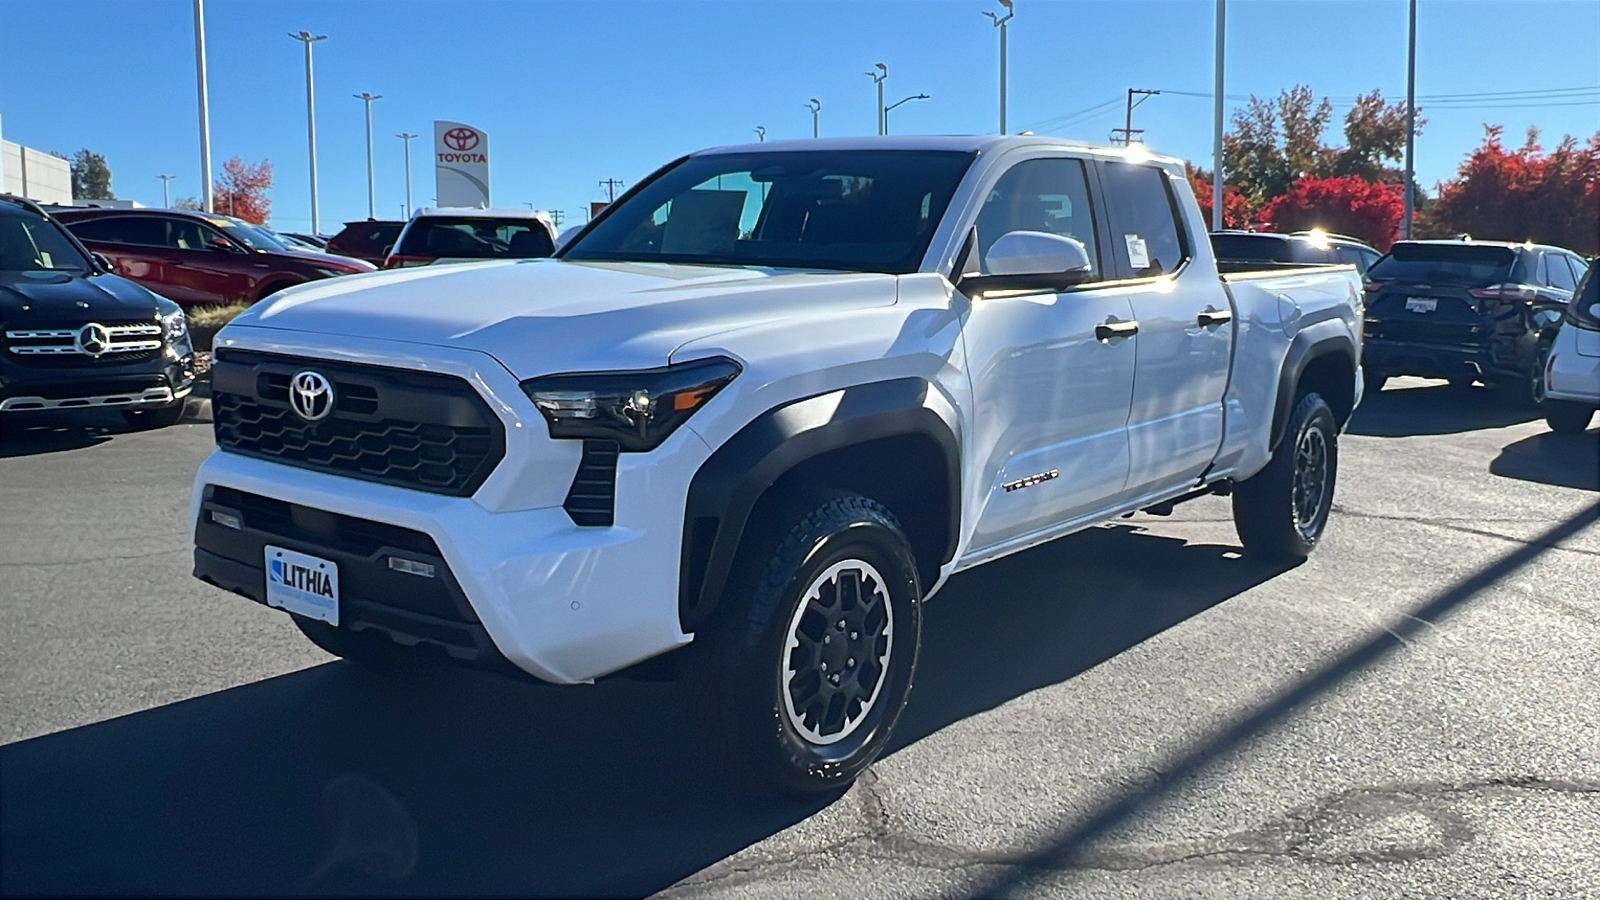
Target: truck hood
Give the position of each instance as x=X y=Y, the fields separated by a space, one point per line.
x=541 y=316
x=63 y=299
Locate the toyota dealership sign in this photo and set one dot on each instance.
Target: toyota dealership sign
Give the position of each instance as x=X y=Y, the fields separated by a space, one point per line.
x=461 y=165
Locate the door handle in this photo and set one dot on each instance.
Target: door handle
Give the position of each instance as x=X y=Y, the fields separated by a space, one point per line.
x=1209 y=317
x=1111 y=328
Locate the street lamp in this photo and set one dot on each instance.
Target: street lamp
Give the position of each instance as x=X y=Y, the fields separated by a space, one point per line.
x=815 y=106
x=366 y=98
x=311 y=121
x=761 y=133
x=205 y=105
x=166 y=203
x=877 y=78
x=1000 y=23
x=407 y=139
x=891 y=107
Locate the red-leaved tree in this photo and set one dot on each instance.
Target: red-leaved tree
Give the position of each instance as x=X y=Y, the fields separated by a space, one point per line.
x=241 y=192
x=1345 y=205
x=1236 y=211
x=1522 y=195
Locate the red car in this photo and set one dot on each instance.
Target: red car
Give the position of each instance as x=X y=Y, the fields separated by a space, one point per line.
x=368 y=239
x=196 y=258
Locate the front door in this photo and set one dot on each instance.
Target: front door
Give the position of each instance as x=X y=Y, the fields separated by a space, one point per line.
x=208 y=266
x=1049 y=436
x=1185 y=332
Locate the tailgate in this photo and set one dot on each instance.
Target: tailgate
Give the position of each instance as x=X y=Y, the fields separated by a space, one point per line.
x=1426 y=314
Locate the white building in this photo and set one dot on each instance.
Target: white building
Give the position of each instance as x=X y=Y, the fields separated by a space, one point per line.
x=38 y=176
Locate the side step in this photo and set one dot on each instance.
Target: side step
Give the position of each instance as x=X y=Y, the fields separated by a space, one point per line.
x=1220 y=488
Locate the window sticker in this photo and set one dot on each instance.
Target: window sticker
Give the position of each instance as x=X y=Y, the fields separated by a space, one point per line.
x=1138 y=254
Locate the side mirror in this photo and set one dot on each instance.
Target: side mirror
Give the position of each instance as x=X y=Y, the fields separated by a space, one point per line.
x=104 y=263
x=387 y=250
x=1031 y=261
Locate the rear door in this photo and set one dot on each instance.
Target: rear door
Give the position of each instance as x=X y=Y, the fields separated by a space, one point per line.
x=135 y=246
x=1185 y=331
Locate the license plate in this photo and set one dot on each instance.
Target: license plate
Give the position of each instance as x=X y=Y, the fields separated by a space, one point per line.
x=1421 y=304
x=303 y=584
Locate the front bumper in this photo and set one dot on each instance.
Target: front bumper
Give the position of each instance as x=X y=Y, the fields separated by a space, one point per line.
x=143 y=386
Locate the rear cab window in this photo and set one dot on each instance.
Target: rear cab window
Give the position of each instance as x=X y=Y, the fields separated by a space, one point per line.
x=476 y=237
x=1149 y=237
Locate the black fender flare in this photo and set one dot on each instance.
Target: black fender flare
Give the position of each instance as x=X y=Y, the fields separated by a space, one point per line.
x=1307 y=346
x=724 y=492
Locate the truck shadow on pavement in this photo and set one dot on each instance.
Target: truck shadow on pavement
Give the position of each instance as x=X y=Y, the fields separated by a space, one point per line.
x=1562 y=460
x=1436 y=409
x=334 y=781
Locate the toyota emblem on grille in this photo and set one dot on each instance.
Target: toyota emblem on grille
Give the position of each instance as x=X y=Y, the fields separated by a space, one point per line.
x=311 y=395
x=92 y=339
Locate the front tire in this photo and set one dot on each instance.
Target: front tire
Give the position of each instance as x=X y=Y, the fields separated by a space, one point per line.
x=806 y=666
x=1566 y=417
x=1282 y=511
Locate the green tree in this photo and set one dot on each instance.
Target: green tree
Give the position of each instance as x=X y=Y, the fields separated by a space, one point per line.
x=91 y=176
x=1374 y=132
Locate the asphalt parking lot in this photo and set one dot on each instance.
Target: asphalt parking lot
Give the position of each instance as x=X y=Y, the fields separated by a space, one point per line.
x=1134 y=711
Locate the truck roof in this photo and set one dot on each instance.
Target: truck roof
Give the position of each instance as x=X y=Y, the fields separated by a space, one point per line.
x=973 y=143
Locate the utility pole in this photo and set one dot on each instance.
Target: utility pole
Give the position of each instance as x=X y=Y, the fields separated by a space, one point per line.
x=877 y=78
x=1000 y=23
x=1216 y=122
x=557 y=216
x=898 y=103
x=1411 y=122
x=611 y=185
x=311 y=121
x=166 y=202
x=366 y=97
x=815 y=106
x=1128 y=131
x=406 y=138
x=205 y=104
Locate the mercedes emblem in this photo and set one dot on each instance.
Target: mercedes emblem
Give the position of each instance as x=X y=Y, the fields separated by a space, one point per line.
x=92 y=339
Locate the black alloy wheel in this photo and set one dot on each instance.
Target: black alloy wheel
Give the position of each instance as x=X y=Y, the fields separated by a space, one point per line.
x=1282 y=511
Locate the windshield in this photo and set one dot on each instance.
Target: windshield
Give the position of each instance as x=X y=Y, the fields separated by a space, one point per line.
x=31 y=243
x=476 y=237
x=253 y=236
x=1461 y=264
x=851 y=210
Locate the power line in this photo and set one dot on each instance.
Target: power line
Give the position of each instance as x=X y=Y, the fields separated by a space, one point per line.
x=1066 y=119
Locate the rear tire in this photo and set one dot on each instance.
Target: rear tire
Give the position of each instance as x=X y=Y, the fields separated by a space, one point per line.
x=369 y=651
x=160 y=417
x=1282 y=511
x=1566 y=417
x=1530 y=389
x=803 y=671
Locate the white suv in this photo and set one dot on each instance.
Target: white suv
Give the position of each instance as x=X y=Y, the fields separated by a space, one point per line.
x=1573 y=374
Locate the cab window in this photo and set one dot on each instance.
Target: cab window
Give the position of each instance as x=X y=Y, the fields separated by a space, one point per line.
x=1048 y=195
x=1148 y=234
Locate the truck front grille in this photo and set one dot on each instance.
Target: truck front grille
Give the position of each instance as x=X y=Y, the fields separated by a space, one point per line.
x=418 y=430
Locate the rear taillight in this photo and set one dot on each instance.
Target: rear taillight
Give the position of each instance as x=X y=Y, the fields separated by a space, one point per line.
x=1584 y=313
x=403 y=260
x=1525 y=292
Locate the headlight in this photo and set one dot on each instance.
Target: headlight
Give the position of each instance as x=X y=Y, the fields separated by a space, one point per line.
x=636 y=409
x=334 y=273
x=174 y=327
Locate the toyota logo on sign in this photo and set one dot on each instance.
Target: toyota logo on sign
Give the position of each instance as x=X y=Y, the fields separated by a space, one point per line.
x=460 y=139
x=311 y=395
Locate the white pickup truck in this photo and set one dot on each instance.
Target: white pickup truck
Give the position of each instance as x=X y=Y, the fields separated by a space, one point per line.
x=759 y=410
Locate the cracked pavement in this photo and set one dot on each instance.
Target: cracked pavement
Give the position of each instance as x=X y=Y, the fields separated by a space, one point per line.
x=1134 y=711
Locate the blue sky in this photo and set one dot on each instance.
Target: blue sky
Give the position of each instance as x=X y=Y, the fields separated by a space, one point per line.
x=575 y=92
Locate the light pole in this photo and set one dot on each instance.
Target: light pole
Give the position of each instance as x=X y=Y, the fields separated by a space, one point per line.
x=406 y=138
x=166 y=202
x=815 y=106
x=1411 y=121
x=761 y=133
x=1216 y=122
x=311 y=121
x=877 y=78
x=205 y=105
x=891 y=107
x=1000 y=23
x=366 y=97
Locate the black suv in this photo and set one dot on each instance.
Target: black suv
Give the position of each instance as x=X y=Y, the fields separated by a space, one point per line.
x=1246 y=250
x=75 y=336
x=1467 y=311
